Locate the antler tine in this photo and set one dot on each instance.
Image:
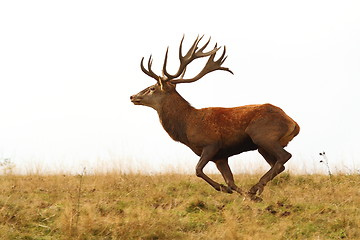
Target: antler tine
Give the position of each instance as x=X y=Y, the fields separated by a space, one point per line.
x=223 y=58
x=149 y=67
x=200 y=52
x=217 y=64
x=169 y=76
x=180 y=48
x=205 y=45
x=148 y=71
x=183 y=73
x=192 y=50
x=210 y=66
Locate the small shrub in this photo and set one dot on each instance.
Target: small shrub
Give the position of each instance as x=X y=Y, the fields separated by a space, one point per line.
x=7 y=166
x=196 y=206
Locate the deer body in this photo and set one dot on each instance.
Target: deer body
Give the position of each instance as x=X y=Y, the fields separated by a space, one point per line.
x=225 y=127
x=217 y=133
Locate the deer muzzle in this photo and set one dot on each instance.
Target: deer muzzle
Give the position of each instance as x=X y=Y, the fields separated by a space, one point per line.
x=135 y=99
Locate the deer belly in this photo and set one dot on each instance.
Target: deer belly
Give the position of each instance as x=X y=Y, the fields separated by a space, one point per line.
x=235 y=148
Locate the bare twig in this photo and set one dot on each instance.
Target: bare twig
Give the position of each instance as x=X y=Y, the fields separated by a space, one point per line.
x=326 y=162
x=81 y=176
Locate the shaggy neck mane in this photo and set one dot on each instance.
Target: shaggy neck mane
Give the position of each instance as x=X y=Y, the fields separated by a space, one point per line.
x=173 y=116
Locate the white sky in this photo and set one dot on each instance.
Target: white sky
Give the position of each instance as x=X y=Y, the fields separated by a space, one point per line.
x=67 y=69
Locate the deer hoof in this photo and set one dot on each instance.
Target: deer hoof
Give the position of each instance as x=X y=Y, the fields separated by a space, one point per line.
x=225 y=189
x=257 y=189
x=255 y=198
x=238 y=190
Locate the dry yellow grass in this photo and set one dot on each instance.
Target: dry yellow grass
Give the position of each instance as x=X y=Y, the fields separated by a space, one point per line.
x=171 y=206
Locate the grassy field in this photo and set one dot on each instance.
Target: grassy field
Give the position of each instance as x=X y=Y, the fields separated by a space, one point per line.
x=171 y=206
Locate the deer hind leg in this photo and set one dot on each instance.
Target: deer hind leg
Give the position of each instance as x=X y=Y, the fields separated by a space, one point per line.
x=271 y=160
x=270 y=137
x=207 y=154
x=223 y=166
x=276 y=156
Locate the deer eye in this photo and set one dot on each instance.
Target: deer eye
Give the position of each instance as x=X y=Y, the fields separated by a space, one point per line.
x=152 y=89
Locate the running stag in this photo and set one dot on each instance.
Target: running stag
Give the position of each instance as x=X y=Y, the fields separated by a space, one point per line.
x=216 y=133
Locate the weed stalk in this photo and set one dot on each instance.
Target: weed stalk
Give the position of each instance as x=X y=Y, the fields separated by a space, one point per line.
x=326 y=162
x=77 y=214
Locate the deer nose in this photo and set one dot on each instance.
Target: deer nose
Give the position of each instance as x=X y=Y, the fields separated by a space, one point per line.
x=131 y=97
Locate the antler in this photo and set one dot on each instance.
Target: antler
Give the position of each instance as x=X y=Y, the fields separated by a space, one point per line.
x=149 y=72
x=192 y=54
x=210 y=66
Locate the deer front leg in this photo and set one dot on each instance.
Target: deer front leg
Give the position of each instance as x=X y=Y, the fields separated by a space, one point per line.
x=223 y=166
x=207 y=154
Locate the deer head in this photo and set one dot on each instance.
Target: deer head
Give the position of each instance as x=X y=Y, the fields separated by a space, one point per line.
x=165 y=84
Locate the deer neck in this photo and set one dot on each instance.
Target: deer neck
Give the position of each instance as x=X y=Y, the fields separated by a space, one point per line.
x=174 y=114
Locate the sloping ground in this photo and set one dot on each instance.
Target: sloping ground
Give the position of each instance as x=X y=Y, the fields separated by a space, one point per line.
x=173 y=206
